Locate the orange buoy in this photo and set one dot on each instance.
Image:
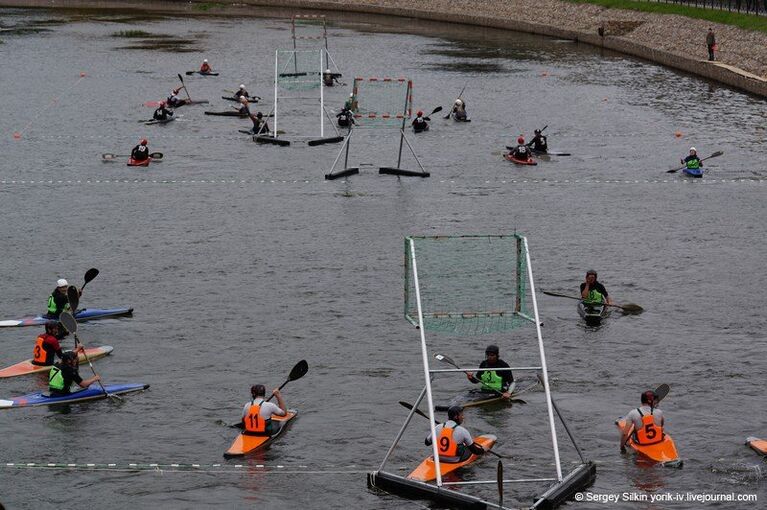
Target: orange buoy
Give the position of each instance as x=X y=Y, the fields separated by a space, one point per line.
x=82 y=74
x=678 y=134
x=16 y=135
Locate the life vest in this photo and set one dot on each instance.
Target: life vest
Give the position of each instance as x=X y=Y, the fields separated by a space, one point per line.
x=594 y=297
x=491 y=380
x=41 y=354
x=52 y=309
x=56 y=379
x=650 y=433
x=446 y=446
x=253 y=421
x=693 y=164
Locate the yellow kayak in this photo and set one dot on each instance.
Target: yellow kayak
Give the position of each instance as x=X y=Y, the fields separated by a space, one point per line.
x=426 y=471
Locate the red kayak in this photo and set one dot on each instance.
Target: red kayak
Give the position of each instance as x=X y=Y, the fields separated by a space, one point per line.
x=514 y=160
x=133 y=162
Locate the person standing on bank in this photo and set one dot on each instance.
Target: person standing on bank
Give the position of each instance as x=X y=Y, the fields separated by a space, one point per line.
x=711 y=43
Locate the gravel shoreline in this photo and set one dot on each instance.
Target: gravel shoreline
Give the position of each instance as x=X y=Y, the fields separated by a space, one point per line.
x=670 y=40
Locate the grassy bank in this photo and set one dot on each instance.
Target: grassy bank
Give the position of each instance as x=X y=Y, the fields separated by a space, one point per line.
x=745 y=21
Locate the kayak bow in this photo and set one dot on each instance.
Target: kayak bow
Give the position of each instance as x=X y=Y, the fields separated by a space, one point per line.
x=758 y=445
x=26 y=367
x=86 y=314
x=248 y=443
x=511 y=158
x=593 y=313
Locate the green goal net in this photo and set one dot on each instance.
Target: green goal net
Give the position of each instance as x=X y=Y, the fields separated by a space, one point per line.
x=298 y=69
x=469 y=285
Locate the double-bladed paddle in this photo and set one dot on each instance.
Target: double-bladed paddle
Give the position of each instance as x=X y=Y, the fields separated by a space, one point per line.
x=436 y=110
x=628 y=307
x=445 y=359
x=184 y=86
x=459 y=97
x=297 y=372
x=417 y=411
x=70 y=324
x=108 y=157
x=714 y=155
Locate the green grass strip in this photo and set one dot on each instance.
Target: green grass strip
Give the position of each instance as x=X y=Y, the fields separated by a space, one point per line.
x=745 y=21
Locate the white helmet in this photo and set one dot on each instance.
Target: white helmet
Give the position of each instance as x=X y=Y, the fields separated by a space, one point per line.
x=458 y=102
x=242 y=86
x=327 y=71
x=692 y=149
x=62 y=283
x=351 y=94
x=205 y=60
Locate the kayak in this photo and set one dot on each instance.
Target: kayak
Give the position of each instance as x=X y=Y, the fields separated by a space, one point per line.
x=248 y=443
x=758 y=445
x=253 y=99
x=693 y=172
x=461 y=120
x=426 y=471
x=511 y=158
x=475 y=398
x=549 y=153
x=664 y=452
x=201 y=73
x=93 y=392
x=420 y=130
x=26 y=367
x=190 y=101
x=86 y=314
x=133 y=162
x=593 y=313
x=231 y=113
x=158 y=121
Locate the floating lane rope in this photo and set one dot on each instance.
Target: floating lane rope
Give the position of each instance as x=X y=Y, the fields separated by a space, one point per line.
x=187 y=468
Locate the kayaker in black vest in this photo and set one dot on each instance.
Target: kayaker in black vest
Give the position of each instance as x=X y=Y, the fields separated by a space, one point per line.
x=47 y=345
x=241 y=92
x=419 y=123
x=243 y=108
x=593 y=291
x=162 y=113
x=63 y=374
x=692 y=161
x=175 y=101
x=538 y=143
x=58 y=301
x=454 y=442
x=492 y=381
x=345 y=118
x=459 y=109
x=644 y=424
x=141 y=151
x=521 y=151
x=260 y=127
x=328 y=78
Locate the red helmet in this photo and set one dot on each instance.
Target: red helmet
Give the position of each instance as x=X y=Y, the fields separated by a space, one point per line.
x=419 y=113
x=143 y=141
x=521 y=140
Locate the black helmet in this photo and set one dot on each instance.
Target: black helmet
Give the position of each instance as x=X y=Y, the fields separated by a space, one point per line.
x=50 y=325
x=453 y=412
x=537 y=131
x=649 y=397
x=68 y=356
x=492 y=349
x=591 y=271
x=258 y=390
x=259 y=115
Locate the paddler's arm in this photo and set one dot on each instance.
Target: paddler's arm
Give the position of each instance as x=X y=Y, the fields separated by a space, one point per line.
x=472 y=378
x=476 y=449
x=585 y=291
x=280 y=401
x=628 y=429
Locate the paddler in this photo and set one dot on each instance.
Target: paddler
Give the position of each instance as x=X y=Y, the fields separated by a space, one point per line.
x=63 y=374
x=141 y=151
x=493 y=381
x=345 y=118
x=243 y=108
x=692 y=161
x=521 y=151
x=350 y=103
x=459 y=109
x=455 y=443
x=645 y=423
x=260 y=127
x=162 y=113
x=538 y=143
x=173 y=100
x=47 y=345
x=241 y=92
x=58 y=301
x=419 y=123
x=205 y=67
x=257 y=413
x=328 y=78
x=592 y=291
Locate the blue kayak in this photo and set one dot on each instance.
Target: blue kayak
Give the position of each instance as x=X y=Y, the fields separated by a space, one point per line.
x=86 y=314
x=93 y=392
x=693 y=172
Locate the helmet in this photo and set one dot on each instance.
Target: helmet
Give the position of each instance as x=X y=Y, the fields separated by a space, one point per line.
x=50 y=326
x=243 y=99
x=521 y=140
x=62 y=283
x=537 y=131
x=419 y=112
x=692 y=149
x=205 y=60
x=453 y=412
x=144 y=141
x=259 y=115
x=492 y=349
x=327 y=71
x=258 y=390
x=242 y=86
x=591 y=271
x=351 y=94
x=648 y=397
x=458 y=102
x=68 y=356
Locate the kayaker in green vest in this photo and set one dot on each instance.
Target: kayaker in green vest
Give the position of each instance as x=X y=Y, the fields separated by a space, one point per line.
x=592 y=291
x=63 y=374
x=58 y=300
x=493 y=381
x=692 y=161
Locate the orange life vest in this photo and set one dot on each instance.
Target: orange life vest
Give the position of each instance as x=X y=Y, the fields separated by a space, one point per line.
x=253 y=420
x=650 y=433
x=446 y=446
x=41 y=355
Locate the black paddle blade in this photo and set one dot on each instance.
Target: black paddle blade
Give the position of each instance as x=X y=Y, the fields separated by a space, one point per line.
x=632 y=308
x=436 y=110
x=299 y=370
x=156 y=155
x=68 y=321
x=661 y=392
x=180 y=78
x=90 y=274
x=73 y=295
x=499 y=478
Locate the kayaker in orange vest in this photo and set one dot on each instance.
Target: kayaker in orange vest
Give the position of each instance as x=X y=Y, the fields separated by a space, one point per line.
x=47 y=345
x=257 y=413
x=492 y=381
x=205 y=67
x=644 y=424
x=140 y=152
x=454 y=442
x=593 y=291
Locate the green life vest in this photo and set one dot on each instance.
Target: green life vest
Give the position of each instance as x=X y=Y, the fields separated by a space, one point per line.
x=693 y=164
x=491 y=380
x=56 y=379
x=594 y=297
x=52 y=310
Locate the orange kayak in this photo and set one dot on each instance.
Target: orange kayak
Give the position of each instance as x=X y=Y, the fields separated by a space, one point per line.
x=663 y=452
x=247 y=443
x=425 y=472
x=758 y=445
x=26 y=367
